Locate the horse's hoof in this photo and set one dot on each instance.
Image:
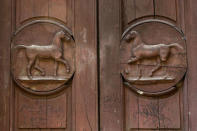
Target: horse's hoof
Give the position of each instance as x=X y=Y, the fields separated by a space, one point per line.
x=30 y=77
x=129 y=61
x=150 y=74
x=67 y=70
x=43 y=74
x=55 y=75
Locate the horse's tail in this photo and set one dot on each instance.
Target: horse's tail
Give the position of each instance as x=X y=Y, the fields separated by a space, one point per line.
x=175 y=45
x=16 y=48
x=20 y=47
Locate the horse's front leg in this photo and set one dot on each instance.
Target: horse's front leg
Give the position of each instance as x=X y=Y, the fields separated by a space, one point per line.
x=132 y=60
x=37 y=67
x=65 y=62
x=56 y=68
x=139 y=71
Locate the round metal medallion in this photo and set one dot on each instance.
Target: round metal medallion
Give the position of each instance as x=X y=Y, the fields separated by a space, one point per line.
x=43 y=56
x=153 y=57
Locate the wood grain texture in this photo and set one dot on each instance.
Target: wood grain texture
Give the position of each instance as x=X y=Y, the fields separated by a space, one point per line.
x=44 y=113
x=31 y=112
x=57 y=112
x=185 y=105
x=24 y=10
x=85 y=98
x=5 y=35
x=82 y=111
x=40 y=8
x=152 y=113
x=148 y=113
x=166 y=8
x=134 y=9
x=53 y=110
x=165 y=112
x=58 y=9
x=129 y=11
x=191 y=34
x=131 y=109
x=111 y=90
x=29 y=9
x=144 y=8
x=169 y=112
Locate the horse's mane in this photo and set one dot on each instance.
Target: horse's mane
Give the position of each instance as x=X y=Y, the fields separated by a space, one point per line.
x=137 y=35
x=133 y=44
x=55 y=35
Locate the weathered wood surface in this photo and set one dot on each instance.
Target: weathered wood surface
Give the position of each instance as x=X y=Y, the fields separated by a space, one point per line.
x=191 y=33
x=76 y=107
x=135 y=9
x=120 y=108
x=5 y=38
x=111 y=90
x=143 y=113
x=85 y=94
x=53 y=111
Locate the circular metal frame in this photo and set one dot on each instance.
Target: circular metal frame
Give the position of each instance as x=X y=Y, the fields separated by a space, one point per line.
x=59 y=88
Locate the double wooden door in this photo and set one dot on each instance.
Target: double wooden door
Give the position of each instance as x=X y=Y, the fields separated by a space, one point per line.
x=98 y=65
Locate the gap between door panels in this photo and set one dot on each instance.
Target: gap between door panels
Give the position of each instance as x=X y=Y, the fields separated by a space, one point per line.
x=98 y=60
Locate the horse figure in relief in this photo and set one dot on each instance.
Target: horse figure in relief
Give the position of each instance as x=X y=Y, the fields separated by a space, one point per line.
x=53 y=51
x=145 y=51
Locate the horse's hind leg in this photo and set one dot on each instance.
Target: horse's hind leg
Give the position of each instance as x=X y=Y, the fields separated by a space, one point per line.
x=156 y=68
x=29 y=67
x=37 y=67
x=56 y=68
x=65 y=62
x=139 y=71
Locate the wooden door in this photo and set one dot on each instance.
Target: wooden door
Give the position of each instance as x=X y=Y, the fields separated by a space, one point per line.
x=36 y=37
x=98 y=65
x=138 y=90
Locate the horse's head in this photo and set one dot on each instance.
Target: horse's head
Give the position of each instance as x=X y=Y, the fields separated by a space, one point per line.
x=63 y=35
x=131 y=36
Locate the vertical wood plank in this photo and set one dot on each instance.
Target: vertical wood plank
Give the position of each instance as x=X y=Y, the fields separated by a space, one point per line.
x=191 y=33
x=181 y=14
x=133 y=9
x=85 y=81
x=129 y=11
x=29 y=9
x=40 y=8
x=24 y=10
x=57 y=112
x=185 y=105
x=144 y=8
x=31 y=112
x=5 y=35
x=169 y=112
x=148 y=113
x=111 y=90
x=58 y=9
x=131 y=110
x=166 y=8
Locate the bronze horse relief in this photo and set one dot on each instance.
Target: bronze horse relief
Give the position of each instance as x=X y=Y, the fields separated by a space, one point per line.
x=43 y=56
x=52 y=51
x=153 y=57
x=147 y=51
